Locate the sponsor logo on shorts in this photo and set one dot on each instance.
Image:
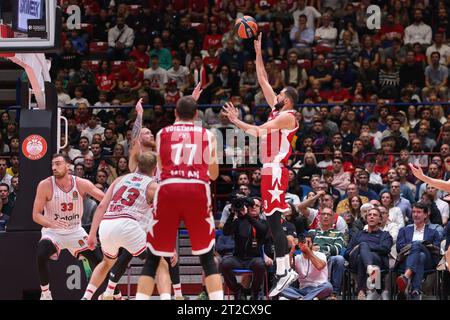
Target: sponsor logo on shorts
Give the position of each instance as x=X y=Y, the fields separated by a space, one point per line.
x=34 y=147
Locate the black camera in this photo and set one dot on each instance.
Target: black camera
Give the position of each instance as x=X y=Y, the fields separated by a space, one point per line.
x=238 y=203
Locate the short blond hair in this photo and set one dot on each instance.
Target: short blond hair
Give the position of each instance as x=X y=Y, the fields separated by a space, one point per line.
x=147 y=162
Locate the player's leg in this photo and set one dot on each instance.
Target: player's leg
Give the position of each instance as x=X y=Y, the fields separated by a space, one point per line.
x=116 y=273
x=163 y=281
x=146 y=283
x=174 y=272
x=45 y=250
x=201 y=230
x=98 y=276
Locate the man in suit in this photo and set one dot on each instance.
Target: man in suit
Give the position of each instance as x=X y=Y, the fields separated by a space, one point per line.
x=423 y=255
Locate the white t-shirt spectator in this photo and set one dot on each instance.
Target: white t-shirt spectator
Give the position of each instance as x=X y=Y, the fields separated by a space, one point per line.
x=157 y=77
x=420 y=33
x=126 y=36
x=444 y=51
x=76 y=101
x=179 y=76
x=63 y=99
x=309 y=276
x=102 y=105
x=310 y=12
x=89 y=133
x=327 y=36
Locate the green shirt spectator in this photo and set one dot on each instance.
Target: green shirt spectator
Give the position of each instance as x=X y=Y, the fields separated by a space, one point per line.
x=164 y=56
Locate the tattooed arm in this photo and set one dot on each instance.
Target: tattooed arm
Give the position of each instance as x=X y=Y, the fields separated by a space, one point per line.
x=135 y=134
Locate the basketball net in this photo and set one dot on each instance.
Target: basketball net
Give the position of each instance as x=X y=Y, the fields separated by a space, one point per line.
x=34 y=64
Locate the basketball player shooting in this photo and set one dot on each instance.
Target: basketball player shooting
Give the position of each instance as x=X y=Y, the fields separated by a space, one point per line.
x=276 y=136
x=58 y=208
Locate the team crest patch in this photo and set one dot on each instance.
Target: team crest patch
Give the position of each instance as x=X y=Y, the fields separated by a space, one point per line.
x=75 y=195
x=34 y=147
x=81 y=243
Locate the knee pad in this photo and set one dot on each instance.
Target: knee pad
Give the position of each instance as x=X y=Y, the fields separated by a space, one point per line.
x=45 y=249
x=150 y=265
x=208 y=263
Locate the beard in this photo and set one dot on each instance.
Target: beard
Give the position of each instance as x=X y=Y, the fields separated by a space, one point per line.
x=279 y=105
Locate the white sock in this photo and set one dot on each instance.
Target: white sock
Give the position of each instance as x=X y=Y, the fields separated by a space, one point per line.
x=177 y=290
x=287 y=261
x=281 y=267
x=110 y=288
x=45 y=289
x=165 y=296
x=90 y=290
x=142 y=296
x=216 y=295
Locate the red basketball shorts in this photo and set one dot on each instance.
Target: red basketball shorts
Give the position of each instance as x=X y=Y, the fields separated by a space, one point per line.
x=274 y=183
x=177 y=200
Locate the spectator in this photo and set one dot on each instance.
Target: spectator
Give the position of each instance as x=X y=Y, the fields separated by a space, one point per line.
x=369 y=51
x=248 y=248
x=3 y=221
x=351 y=191
x=441 y=47
x=130 y=78
x=331 y=242
x=122 y=167
x=203 y=74
x=63 y=97
x=156 y=75
x=160 y=119
x=389 y=31
x=326 y=35
x=302 y=37
x=368 y=252
x=140 y=54
x=79 y=99
x=338 y=94
x=278 y=41
x=309 y=11
x=14 y=168
x=92 y=128
x=231 y=56
x=89 y=168
x=308 y=169
x=120 y=40
x=442 y=206
x=248 y=81
x=320 y=73
x=105 y=79
x=179 y=73
x=341 y=179
x=212 y=38
x=423 y=245
x=184 y=33
x=389 y=80
x=363 y=186
x=4 y=176
x=6 y=205
x=15 y=189
x=311 y=267
x=418 y=32
x=436 y=78
x=164 y=57
x=411 y=72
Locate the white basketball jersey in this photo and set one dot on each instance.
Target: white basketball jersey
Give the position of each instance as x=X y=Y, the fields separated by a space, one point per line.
x=66 y=206
x=129 y=199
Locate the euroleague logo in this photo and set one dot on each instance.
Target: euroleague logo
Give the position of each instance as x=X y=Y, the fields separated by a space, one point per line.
x=34 y=147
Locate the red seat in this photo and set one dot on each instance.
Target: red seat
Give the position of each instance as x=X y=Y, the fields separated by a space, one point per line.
x=264 y=27
x=89 y=28
x=304 y=63
x=116 y=66
x=98 y=47
x=135 y=9
x=94 y=65
x=199 y=26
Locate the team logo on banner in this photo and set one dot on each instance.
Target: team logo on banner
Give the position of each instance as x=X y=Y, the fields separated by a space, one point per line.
x=34 y=147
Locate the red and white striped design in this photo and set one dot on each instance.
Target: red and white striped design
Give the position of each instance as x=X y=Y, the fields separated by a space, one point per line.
x=65 y=205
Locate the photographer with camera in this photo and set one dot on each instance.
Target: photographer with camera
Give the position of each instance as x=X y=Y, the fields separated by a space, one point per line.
x=249 y=234
x=311 y=266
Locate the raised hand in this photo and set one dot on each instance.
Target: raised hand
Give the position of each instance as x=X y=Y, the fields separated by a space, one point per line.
x=230 y=111
x=417 y=171
x=139 y=108
x=197 y=91
x=257 y=44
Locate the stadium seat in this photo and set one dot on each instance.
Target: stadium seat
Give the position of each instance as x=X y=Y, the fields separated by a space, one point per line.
x=264 y=27
x=200 y=27
x=304 y=63
x=116 y=66
x=135 y=9
x=94 y=65
x=98 y=47
x=89 y=28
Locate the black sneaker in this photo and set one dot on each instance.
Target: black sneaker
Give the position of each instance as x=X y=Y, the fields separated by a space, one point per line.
x=416 y=295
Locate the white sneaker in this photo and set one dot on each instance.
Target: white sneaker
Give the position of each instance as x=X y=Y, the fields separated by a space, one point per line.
x=373 y=277
x=385 y=295
x=47 y=295
x=372 y=295
x=281 y=282
x=103 y=296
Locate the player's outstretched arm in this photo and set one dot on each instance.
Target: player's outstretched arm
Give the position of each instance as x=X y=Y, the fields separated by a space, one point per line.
x=87 y=187
x=263 y=81
x=43 y=193
x=437 y=183
x=197 y=91
x=283 y=121
x=135 y=133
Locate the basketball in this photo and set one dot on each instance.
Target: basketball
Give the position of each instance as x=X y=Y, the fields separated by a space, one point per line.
x=246 y=27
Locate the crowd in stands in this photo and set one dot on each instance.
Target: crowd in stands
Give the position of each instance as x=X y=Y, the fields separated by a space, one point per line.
x=351 y=190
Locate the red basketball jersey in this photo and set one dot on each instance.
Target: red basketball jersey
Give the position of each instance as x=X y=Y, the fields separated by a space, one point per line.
x=185 y=151
x=276 y=146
